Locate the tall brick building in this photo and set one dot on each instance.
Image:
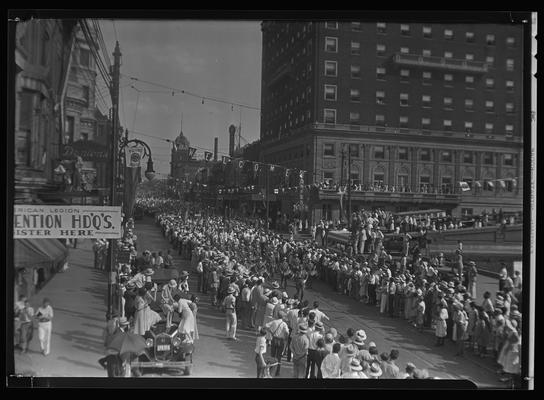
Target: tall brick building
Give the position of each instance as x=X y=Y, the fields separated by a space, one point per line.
x=420 y=107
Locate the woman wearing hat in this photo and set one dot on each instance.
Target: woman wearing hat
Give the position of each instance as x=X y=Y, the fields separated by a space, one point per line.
x=355 y=370
x=144 y=317
x=167 y=301
x=460 y=318
x=441 y=324
x=482 y=332
x=374 y=370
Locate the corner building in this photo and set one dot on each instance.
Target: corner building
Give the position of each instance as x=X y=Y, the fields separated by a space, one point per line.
x=419 y=107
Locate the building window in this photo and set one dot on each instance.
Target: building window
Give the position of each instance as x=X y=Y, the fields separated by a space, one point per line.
x=354 y=117
x=380 y=97
x=448 y=79
x=489 y=106
x=446 y=156
x=446 y=184
x=447 y=125
x=331 y=68
x=355 y=71
x=509 y=64
x=426 y=100
x=427 y=32
x=379 y=152
x=330 y=92
x=405 y=29
x=468 y=157
x=448 y=54
x=84 y=57
x=425 y=123
x=470 y=37
x=469 y=81
x=380 y=73
x=510 y=108
x=331 y=25
x=402 y=153
x=380 y=120
x=403 y=121
x=426 y=76
x=355 y=26
x=331 y=44
x=354 y=178
x=404 y=50
x=510 y=86
x=448 y=102
x=381 y=28
x=490 y=40
x=404 y=75
x=379 y=178
x=509 y=128
x=424 y=155
x=426 y=53
x=355 y=48
x=380 y=49
x=510 y=41
x=469 y=57
x=448 y=34
x=468 y=126
x=404 y=99
x=469 y=105
x=487 y=158
x=329 y=116
x=355 y=95
x=354 y=150
x=508 y=159
x=490 y=83
x=509 y=185
x=490 y=60
x=424 y=182
x=85 y=94
x=488 y=127
x=69 y=129
x=328 y=150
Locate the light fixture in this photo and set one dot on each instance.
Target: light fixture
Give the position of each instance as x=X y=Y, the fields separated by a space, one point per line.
x=150 y=173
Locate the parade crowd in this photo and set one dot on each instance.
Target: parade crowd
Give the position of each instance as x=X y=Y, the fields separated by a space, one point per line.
x=245 y=269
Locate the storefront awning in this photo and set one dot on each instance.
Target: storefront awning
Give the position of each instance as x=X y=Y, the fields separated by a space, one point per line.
x=29 y=252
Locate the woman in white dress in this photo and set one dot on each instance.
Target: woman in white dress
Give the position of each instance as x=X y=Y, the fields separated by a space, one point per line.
x=144 y=317
x=187 y=322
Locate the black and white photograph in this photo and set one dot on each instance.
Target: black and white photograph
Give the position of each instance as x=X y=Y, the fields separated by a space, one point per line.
x=274 y=199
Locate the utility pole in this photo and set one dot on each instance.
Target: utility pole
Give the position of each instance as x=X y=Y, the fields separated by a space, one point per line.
x=267 y=195
x=342 y=183
x=115 y=72
x=349 y=187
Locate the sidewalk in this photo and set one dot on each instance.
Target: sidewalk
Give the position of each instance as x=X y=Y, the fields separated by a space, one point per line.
x=78 y=298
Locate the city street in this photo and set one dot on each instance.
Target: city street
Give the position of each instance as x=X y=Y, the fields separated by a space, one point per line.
x=217 y=357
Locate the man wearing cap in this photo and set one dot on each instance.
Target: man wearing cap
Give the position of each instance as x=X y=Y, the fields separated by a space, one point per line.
x=319 y=315
x=299 y=349
x=347 y=354
x=229 y=305
x=313 y=361
x=279 y=331
x=245 y=305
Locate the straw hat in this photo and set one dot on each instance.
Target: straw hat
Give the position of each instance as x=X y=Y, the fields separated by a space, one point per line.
x=375 y=370
x=149 y=271
x=172 y=283
x=355 y=365
x=360 y=334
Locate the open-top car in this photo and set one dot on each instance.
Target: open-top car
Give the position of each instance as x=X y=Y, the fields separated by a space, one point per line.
x=167 y=351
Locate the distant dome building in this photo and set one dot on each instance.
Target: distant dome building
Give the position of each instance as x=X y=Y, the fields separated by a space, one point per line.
x=181 y=142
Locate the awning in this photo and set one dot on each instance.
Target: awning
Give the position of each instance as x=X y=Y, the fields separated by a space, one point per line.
x=29 y=252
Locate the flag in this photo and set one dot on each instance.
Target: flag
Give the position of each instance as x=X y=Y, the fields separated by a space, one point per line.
x=241 y=164
x=272 y=168
x=464 y=186
x=208 y=155
x=491 y=184
x=287 y=173
x=301 y=174
x=502 y=183
x=256 y=167
x=192 y=152
x=225 y=159
x=478 y=183
x=514 y=182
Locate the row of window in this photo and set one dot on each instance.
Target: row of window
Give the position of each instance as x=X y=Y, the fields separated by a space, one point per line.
x=427 y=32
x=329 y=117
x=331 y=92
x=378 y=152
x=424 y=181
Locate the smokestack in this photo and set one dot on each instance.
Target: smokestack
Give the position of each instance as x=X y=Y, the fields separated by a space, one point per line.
x=215 y=147
x=232 y=132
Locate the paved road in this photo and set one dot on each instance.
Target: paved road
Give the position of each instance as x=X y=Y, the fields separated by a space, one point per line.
x=217 y=357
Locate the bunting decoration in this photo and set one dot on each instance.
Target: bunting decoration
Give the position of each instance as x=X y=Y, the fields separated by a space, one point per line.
x=502 y=184
x=208 y=155
x=514 y=182
x=225 y=159
x=464 y=186
x=272 y=167
x=241 y=164
x=256 y=167
x=192 y=152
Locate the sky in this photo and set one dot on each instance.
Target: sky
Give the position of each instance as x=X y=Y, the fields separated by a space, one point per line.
x=220 y=59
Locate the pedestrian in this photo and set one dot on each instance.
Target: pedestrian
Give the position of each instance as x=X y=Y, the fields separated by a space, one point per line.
x=355 y=370
x=503 y=274
x=330 y=367
x=144 y=317
x=299 y=350
x=112 y=361
x=245 y=305
x=472 y=273
x=229 y=305
x=441 y=324
x=279 y=332
x=408 y=371
x=482 y=333
x=460 y=319
x=167 y=301
x=312 y=361
x=260 y=351
x=187 y=319
x=193 y=305
x=389 y=366
x=45 y=316
x=26 y=327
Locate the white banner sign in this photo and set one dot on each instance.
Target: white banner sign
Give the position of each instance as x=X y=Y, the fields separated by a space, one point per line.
x=66 y=222
x=133 y=156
